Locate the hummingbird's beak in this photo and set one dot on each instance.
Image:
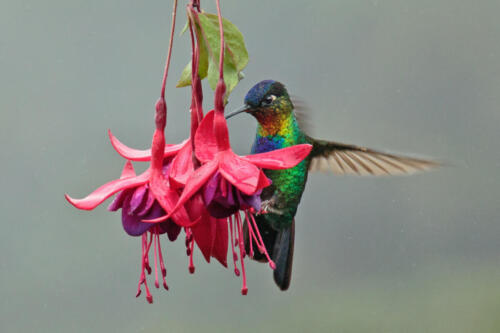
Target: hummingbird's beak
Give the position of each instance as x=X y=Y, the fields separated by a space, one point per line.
x=241 y=109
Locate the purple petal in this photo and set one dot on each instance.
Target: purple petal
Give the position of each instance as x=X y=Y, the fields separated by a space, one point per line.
x=132 y=223
x=138 y=199
x=211 y=187
x=170 y=228
x=230 y=197
x=221 y=207
x=218 y=211
x=149 y=202
x=118 y=200
x=249 y=201
x=223 y=199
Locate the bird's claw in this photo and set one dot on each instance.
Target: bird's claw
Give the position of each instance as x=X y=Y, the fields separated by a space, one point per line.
x=266 y=207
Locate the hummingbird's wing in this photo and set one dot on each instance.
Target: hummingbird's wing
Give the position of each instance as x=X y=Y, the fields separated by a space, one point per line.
x=302 y=114
x=349 y=159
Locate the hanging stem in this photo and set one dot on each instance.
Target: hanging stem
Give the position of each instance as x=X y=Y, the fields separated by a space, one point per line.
x=196 y=90
x=171 y=41
x=158 y=144
x=220 y=90
x=220 y=126
x=221 y=32
x=194 y=74
x=195 y=4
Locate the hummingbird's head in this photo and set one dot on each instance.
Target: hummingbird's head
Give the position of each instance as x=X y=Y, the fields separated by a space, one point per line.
x=267 y=101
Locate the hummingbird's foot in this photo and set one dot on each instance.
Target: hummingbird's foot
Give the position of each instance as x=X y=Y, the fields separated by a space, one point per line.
x=267 y=207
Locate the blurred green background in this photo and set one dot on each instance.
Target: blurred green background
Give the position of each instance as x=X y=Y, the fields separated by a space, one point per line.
x=404 y=254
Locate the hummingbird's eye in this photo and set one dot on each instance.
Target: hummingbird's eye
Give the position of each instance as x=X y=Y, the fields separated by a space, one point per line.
x=268 y=100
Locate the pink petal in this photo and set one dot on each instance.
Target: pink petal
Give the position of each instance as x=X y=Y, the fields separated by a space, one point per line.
x=204 y=139
x=223 y=187
x=95 y=198
x=182 y=166
x=168 y=198
x=281 y=158
x=219 y=249
x=263 y=181
x=128 y=170
x=197 y=180
x=204 y=235
x=196 y=207
x=194 y=183
x=127 y=152
x=140 y=155
x=239 y=172
x=221 y=131
x=172 y=149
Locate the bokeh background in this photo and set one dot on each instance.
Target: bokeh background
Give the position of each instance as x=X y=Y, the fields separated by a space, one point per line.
x=404 y=254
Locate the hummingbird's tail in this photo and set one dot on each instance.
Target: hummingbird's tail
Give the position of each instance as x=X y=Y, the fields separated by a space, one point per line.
x=279 y=244
x=283 y=256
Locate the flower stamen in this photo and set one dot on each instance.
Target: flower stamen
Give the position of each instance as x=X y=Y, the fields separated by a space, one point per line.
x=142 y=280
x=250 y=233
x=155 y=250
x=162 y=264
x=235 y=256
x=191 y=250
x=244 y=288
x=261 y=246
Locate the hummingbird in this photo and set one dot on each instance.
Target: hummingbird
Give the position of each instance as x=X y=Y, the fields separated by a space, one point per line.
x=279 y=127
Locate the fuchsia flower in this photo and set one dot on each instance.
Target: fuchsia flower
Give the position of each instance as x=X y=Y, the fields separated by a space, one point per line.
x=139 y=203
x=210 y=233
x=145 y=196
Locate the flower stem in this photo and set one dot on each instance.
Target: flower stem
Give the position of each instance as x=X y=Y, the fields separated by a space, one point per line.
x=221 y=32
x=171 y=41
x=196 y=89
x=220 y=90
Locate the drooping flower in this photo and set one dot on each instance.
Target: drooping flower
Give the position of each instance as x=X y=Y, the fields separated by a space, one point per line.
x=210 y=233
x=146 y=196
x=137 y=204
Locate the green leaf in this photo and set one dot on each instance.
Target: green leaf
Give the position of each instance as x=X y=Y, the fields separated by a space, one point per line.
x=231 y=77
x=184 y=29
x=185 y=79
x=235 y=53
